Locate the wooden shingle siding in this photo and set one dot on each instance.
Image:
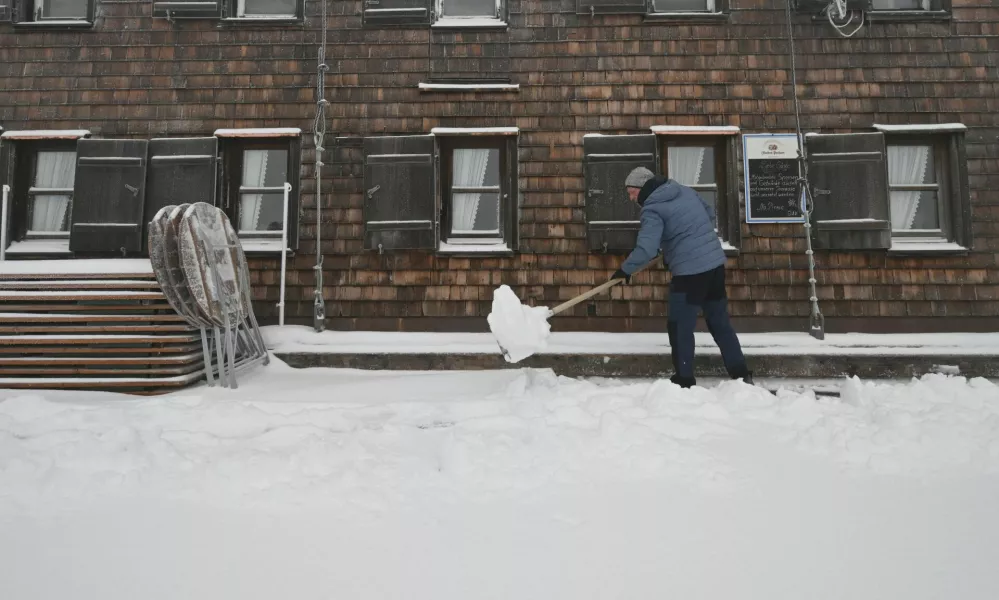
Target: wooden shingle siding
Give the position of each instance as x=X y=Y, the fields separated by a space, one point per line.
x=136 y=77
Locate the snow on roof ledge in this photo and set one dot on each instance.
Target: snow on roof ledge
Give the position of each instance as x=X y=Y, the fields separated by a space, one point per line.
x=475 y=131
x=45 y=134
x=259 y=132
x=924 y=127
x=695 y=129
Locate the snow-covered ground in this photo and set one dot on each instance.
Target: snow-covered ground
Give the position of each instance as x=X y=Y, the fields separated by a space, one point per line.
x=518 y=484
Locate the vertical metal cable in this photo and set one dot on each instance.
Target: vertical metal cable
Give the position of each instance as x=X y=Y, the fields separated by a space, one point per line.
x=318 y=137
x=816 y=322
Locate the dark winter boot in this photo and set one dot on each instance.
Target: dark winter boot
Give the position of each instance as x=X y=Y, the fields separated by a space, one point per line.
x=684 y=382
x=742 y=373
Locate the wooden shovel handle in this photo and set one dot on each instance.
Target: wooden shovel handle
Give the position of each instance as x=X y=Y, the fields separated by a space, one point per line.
x=597 y=290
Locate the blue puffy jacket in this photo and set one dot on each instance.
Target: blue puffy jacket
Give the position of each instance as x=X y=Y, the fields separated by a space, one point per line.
x=677 y=220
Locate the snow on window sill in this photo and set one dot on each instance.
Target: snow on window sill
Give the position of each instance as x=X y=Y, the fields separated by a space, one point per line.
x=469 y=87
x=82 y=23
x=686 y=16
x=45 y=134
x=908 y=15
x=41 y=246
x=469 y=23
x=261 y=246
x=500 y=248
x=922 y=128
x=924 y=247
x=695 y=129
x=263 y=20
x=729 y=249
x=259 y=132
x=475 y=131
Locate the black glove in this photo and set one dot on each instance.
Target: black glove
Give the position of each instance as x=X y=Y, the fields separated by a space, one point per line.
x=619 y=274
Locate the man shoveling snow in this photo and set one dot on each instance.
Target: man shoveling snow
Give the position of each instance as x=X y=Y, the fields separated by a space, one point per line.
x=675 y=220
x=678 y=221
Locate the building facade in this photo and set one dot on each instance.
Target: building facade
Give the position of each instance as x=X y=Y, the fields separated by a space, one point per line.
x=475 y=143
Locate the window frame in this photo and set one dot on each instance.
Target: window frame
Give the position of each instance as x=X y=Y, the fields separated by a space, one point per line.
x=719 y=12
x=728 y=221
x=233 y=149
x=31 y=191
x=505 y=242
x=499 y=19
x=26 y=14
x=942 y=186
x=939 y=10
x=231 y=14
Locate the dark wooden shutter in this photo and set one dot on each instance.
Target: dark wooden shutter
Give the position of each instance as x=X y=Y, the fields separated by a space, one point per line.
x=109 y=196
x=603 y=7
x=181 y=170
x=848 y=175
x=8 y=157
x=382 y=13
x=399 y=193
x=193 y=9
x=611 y=218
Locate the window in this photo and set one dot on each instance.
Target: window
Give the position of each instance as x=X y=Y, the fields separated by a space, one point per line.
x=454 y=191
x=51 y=193
x=254 y=176
x=474 y=191
x=902 y=4
x=266 y=9
x=470 y=13
x=703 y=162
x=52 y=12
x=910 y=9
x=683 y=6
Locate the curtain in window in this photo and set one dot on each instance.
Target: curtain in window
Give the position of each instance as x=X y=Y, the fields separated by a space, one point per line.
x=54 y=170
x=254 y=175
x=906 y=165
x=469 y=171
x=685 y=164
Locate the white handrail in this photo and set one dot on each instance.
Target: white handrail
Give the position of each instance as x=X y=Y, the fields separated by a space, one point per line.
x=284 y=251
x=3 y=223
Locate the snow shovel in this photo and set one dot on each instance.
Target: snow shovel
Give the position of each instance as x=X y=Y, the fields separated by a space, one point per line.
x=521 y=330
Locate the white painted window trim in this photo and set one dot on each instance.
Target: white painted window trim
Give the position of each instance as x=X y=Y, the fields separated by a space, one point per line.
x=475 y=131
x=469 y=87
x=471 y=22
x=922 y=128
x=258 y=133
x=711 y=8
x=693 y=130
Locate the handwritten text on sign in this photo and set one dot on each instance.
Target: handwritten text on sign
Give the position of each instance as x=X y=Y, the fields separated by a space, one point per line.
x=771 y=172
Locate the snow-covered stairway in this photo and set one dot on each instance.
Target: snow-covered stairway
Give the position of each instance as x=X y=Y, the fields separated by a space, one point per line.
x=92 y=324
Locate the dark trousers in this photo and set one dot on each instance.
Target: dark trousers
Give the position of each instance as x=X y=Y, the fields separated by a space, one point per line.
x=688 y=295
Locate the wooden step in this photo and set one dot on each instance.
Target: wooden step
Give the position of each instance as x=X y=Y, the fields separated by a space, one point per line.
x=81 y=284
x=106 y=361
x=60 y=329
x=96 y=340
x=75 y=268
x=83 y=350
x=99 y=382
x=64 y=307
x=134 y=371
x=8 y=318
x=77 y=295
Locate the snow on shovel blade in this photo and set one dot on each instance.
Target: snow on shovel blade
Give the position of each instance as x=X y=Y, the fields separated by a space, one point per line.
x=520 y=330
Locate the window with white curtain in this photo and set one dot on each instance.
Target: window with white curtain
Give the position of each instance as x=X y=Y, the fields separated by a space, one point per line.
x=899 y=5
x=51 y=193
x=915 y=192
x=683 y=6
x=695 y=166
x=469 y=12
x=475 y=192
x=266 y=9
x=60 y=9
x=261 y=191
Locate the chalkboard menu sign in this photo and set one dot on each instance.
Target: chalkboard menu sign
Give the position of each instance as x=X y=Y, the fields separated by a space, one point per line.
x=770 y=167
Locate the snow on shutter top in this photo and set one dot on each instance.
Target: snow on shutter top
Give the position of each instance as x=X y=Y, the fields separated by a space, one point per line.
x=599 y=7
x=848 y=174
x=380 y=13
x=399 y=192
x=611 y=218
x=109 y=196
x=181 y=170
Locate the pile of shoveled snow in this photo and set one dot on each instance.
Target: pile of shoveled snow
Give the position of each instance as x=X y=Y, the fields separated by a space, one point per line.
x=503 y=484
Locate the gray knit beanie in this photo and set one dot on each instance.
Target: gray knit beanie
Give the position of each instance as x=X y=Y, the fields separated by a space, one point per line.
x=638 y=177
